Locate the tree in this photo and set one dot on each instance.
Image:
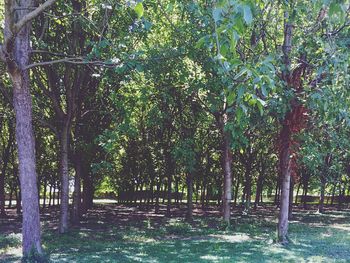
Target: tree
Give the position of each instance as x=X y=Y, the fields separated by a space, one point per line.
x=15 y=52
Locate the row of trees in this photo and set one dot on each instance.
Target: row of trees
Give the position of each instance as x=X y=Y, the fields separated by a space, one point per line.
x=224 y=100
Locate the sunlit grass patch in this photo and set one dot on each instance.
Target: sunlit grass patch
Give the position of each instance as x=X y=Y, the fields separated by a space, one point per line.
x=314 y=238
x=9 y=241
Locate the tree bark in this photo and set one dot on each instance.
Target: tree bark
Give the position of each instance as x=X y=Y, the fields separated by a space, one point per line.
x=322 y=192
x=88 y=193
x=285 y=164
x=291 y=192
x=285 y=137
x=259 y=188
x=189 y=215
x=64 y=172
x=227 y=164
x=77 y=191
x=22 y=103
x=45 y=192
x=5 y=158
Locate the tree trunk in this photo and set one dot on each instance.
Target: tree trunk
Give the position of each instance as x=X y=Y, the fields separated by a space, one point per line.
x=5 y=158
x=45 y=192
x=88 y=193
x=286 y=138
x=50 y=195
x=296 y=197
x=321 y=202
x=64 y=172
x=258 y=190
x=77 y=191
x=26 y=146
x=54 y=195
x=333 y=193
x=291 y=191
x=306 y=187
x=18 y=202
x=285 y=166
x=248 y=187
x=227 y=164
x=169 y=169
x=10 y=197
x=156 y=206
x=189 y=215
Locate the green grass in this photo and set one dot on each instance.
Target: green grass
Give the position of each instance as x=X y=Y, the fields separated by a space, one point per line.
x=315 y=238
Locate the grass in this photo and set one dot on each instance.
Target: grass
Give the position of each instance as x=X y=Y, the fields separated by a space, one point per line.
x=315 y=238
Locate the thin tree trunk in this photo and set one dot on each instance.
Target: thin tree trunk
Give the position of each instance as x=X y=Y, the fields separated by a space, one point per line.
x=189 y=215
x=285 y=185
x=285 y=159
x=169 y=169
x=156 y=206
x=296 y=197
x=333 y=193
x=10 y=197
x=77 y=191
x=45 y=192
x=227 y=163
x=50 y=195
x=5 y=158
x=291 y=191
x=306 y=187
x=322 y=192
x=64 y=172
x=258 y=190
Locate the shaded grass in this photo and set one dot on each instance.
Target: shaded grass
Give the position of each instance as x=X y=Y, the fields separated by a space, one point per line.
x=315 y=238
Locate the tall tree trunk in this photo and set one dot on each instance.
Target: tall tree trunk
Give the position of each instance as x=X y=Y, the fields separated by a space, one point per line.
x=50 y=194
x=285 y=164
x=10 y=197
x=5 y=158
x=259 y=187
x=88 y=192
x=26 y=145
x=169 y=169
x=291 y=192
x=77 y=191
x=16 y=52
x=333 y=193
x=322 y=192
x=285 y=137
x=189 y=215
x=306 y=187
x=248 y=186
x=54 y=194
x=227 y=165
x=296 y=197
x=156 y=206
x=64 y=172
x=45 y=192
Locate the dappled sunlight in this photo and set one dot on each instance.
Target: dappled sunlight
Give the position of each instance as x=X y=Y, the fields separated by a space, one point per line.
x=237 y=238
x=213 y=258
x=134 y=236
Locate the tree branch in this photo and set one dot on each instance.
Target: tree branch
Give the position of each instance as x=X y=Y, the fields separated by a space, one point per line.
x=33 y=14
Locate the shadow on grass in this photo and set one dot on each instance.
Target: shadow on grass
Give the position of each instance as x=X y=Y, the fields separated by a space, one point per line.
x=315 y=238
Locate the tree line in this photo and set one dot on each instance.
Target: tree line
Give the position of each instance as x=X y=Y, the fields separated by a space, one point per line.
x=157 y=101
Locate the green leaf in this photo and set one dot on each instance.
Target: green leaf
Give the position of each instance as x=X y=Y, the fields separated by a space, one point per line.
x=247 y=14
x=139 y=10
x=217 y=14
x=231 y=98
x=201 y=41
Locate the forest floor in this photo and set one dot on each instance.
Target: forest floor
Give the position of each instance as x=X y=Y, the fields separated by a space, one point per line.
x=117 y=233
